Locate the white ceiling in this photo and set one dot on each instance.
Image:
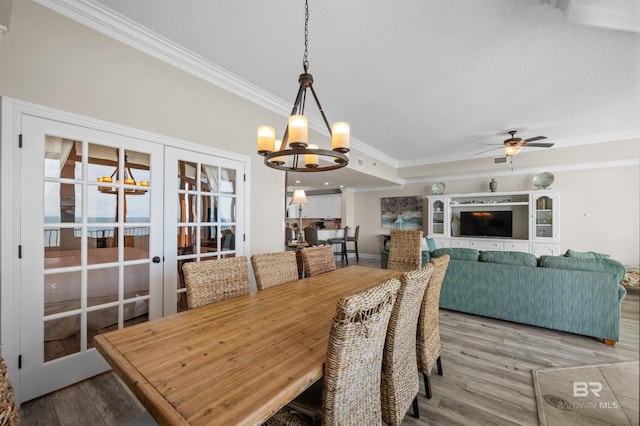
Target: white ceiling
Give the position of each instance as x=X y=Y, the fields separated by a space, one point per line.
x=425 y=81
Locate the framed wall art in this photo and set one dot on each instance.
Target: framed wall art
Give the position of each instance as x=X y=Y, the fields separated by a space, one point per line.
x=401 y=212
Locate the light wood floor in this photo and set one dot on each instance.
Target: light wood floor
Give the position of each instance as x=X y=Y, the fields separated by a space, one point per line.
x=487 y=375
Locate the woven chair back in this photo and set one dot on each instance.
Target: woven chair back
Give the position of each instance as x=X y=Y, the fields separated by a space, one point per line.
x=428 y=341
x=271 y=269
x=400 y=380
x=9 y=414
x=210 y=281
x=351 y=392
x=405 y=253
x=317 y=260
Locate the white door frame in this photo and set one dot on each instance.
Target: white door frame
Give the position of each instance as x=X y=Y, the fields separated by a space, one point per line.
x=11 y=114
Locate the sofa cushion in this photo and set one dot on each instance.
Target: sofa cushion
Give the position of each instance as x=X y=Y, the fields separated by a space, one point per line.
x=586 y=255
x=509 y=258
x=457 y=253
x=594 y=265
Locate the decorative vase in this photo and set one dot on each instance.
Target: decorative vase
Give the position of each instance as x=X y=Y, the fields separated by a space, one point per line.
x=542 y=180
x=455 y=226
x=493 y=185
x=437 y=188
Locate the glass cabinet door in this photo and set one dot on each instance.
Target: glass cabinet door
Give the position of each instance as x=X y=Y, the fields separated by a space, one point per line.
x=438 y=217
x=544 y=217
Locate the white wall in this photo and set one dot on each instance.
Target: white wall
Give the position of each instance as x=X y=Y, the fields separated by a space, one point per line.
x=55 y=62
x=600 y=205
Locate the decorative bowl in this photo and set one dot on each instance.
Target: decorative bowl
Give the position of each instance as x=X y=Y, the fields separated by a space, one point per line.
x=542 y=180
x=437 y=188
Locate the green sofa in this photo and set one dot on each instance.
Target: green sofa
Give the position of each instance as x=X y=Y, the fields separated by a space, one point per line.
x=580 y=295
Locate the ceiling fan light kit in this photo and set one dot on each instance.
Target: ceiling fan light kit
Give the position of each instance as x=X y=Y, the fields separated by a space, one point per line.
x=294 y=153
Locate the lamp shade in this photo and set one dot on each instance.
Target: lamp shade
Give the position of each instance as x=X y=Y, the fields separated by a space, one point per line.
x=299 y=197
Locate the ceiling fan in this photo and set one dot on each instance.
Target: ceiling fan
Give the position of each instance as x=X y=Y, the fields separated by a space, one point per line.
x=514 y=145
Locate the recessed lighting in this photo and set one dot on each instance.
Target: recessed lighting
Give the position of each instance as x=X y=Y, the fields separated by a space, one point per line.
x=341 y=186
x=326 y=183
x=297 y=181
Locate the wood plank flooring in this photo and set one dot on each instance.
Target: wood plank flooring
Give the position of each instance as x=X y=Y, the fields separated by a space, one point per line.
x=487 y=377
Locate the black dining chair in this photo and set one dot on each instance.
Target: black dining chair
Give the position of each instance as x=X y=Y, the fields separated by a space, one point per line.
x=341 y=242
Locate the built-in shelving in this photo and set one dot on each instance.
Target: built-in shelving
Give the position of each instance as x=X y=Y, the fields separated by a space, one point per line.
x=535 y=220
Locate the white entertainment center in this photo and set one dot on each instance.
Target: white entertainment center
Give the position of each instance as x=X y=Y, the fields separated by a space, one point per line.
x=535 y=220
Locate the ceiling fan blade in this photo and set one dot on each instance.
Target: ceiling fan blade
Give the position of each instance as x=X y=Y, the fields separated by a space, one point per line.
x=541 y=145
x=535 y=138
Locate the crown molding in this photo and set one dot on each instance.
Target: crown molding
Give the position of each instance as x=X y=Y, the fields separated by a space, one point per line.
x=125 y=30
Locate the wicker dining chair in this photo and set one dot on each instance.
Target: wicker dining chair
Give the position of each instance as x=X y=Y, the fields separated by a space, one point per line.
x=405 y=253
x=271 y=269
x=211 y=281
x=400 y=378
x=428 y=341
x=9 y=414
x=349 y=392
x=317 y=260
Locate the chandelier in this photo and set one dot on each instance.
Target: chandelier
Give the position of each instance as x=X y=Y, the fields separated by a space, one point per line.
x=293 y=153
x=128 y=180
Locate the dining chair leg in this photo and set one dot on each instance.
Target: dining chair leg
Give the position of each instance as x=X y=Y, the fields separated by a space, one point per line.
x=427 y=385
x=439 y=363
x=357 y=256
x=345 y=254
x=416 y=410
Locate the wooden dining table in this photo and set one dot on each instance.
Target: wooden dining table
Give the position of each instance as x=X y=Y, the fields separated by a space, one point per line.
x=238 y=361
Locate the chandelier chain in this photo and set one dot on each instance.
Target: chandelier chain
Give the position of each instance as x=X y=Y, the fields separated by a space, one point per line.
x=305 y=62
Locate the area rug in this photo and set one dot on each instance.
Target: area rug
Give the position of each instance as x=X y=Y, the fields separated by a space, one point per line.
x=588 y=395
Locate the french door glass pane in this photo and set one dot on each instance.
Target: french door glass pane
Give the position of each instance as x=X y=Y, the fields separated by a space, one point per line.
x=99 y=236
x=206 y=215
x=62 y=291
x=61 y=337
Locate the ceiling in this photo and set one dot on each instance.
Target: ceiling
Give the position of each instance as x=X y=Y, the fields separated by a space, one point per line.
x=426 y=81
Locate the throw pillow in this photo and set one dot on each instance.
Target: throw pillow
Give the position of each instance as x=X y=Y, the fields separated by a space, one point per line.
x=586 y=255
x=423 y=244
x=509 y=258
x=431 y=243
x=457 y=253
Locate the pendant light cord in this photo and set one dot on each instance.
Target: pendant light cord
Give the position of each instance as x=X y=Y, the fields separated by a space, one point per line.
x=305 y=62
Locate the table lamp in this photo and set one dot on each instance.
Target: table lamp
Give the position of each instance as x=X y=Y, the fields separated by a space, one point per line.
x=299 y=198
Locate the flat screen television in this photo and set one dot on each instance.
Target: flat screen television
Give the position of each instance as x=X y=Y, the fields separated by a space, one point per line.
x=486 y=224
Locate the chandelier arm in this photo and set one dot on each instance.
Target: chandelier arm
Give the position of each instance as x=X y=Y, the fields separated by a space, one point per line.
x=324 y=117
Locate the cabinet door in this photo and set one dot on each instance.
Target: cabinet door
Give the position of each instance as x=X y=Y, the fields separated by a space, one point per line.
x=309 y=210
x=545 y=216
x=335 y=207
x=438 y=216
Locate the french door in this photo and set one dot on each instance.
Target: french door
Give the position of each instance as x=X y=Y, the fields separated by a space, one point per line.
x=204 y=195
x=91 y=231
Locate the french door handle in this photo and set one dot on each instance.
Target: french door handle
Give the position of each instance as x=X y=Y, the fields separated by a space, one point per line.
x=156 y=259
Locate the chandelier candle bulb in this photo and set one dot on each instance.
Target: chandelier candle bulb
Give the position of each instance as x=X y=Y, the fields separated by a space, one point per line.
x=340 y=136
x=298 y=131
x=266 y=139
x=278 y=160
x=312 y=160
